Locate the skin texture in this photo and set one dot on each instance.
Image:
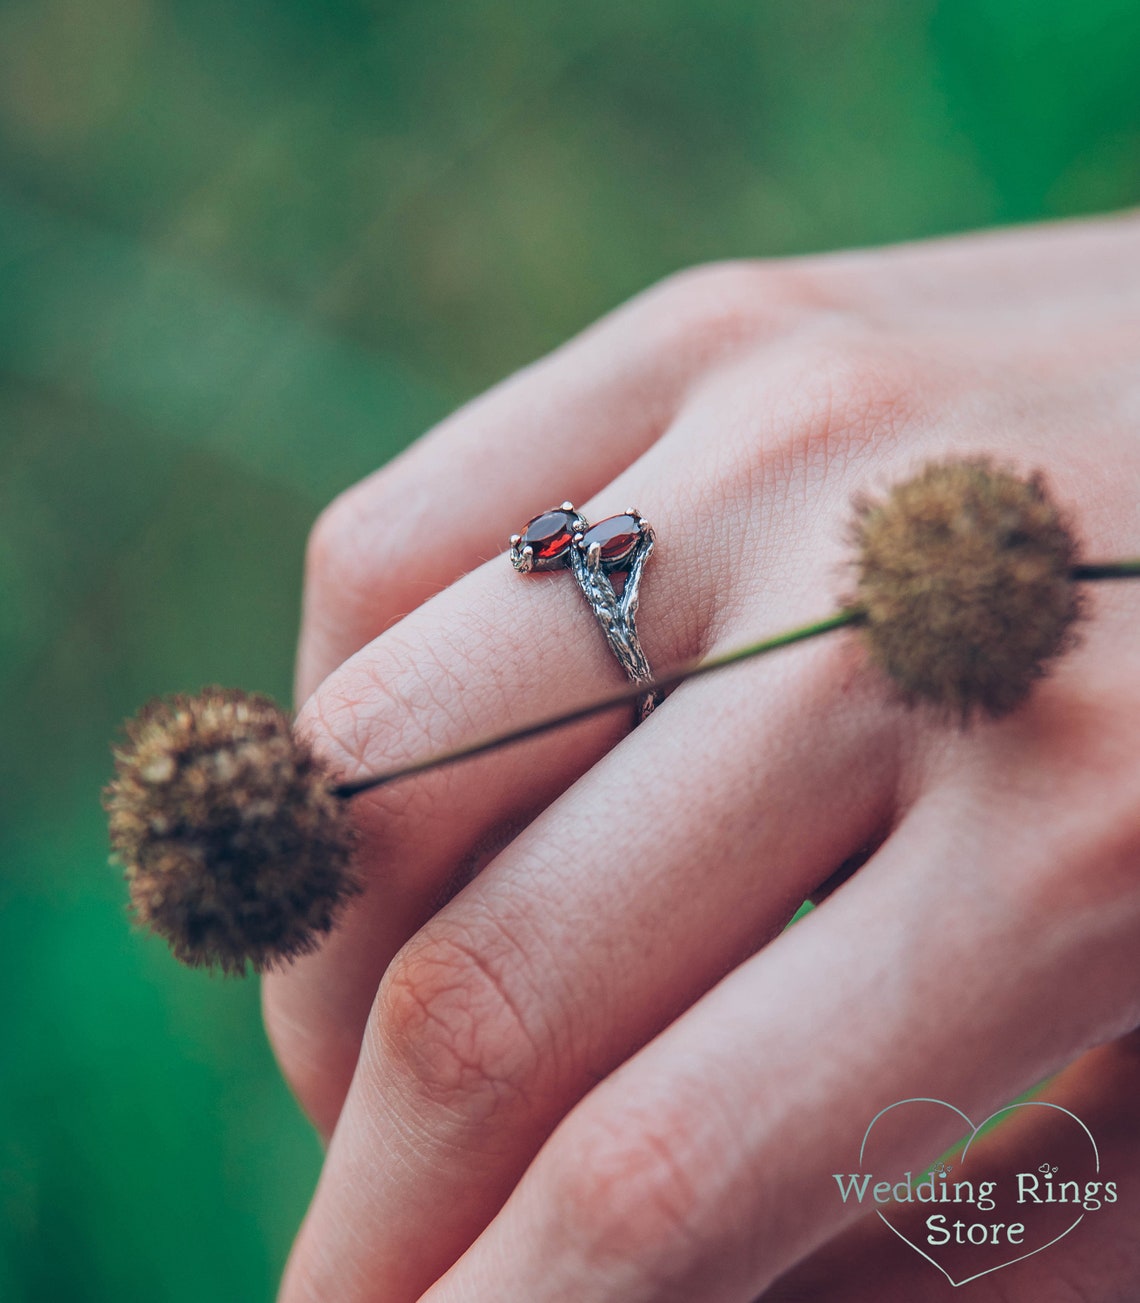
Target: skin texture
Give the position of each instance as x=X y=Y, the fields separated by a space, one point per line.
x=560 y=1048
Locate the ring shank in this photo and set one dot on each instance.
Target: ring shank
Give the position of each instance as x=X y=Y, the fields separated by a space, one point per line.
x=561 y=537
x=617 y=617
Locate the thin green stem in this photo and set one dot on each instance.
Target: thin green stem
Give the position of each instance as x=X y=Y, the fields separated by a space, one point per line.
x=1126 y=569
x=849 y=616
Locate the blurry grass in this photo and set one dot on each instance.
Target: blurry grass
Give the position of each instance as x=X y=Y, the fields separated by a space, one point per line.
x=247 y=251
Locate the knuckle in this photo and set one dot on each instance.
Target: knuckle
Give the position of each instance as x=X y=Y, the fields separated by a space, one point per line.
x=332 y=530
x=446 y=1019
x=733 y=283
x=847 y=398
x=714 y=308
x=860 y=391
x=345 y=554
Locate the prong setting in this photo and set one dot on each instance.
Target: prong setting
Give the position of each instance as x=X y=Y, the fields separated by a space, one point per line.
x=562 y=537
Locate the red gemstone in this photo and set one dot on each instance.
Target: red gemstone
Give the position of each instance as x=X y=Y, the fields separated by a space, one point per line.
x=617 y=536
x=549 y=534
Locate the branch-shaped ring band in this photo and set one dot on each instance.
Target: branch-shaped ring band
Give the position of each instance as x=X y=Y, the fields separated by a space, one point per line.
x=564 y=539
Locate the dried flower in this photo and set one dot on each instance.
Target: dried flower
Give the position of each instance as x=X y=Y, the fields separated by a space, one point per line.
x=236 y=838
x=234 y=845
x=965 y=584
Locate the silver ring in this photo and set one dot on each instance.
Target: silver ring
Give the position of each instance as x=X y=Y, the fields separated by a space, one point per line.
x=563 y=538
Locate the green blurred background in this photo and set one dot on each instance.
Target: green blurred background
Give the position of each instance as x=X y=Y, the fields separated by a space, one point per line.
x=248 y=249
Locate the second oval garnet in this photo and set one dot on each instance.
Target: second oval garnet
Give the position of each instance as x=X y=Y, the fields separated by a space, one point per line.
x=617 y=536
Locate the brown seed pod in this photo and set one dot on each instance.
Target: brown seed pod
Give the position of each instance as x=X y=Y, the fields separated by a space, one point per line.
x=965 y=584
x=235 y=848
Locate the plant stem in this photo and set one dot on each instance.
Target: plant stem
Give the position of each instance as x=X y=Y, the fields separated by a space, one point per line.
x=1128 y=568
x=849 y=616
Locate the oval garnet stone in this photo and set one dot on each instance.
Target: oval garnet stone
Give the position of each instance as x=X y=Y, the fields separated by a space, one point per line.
x=617 y=536
x=549 y=534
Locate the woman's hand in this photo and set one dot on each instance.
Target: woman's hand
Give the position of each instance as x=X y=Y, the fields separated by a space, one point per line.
x=561 y=1046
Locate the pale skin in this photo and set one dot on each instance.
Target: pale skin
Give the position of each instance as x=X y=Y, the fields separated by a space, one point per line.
x=561 y=1049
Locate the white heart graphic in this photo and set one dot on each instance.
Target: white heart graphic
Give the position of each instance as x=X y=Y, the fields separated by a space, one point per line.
x=974 y=1130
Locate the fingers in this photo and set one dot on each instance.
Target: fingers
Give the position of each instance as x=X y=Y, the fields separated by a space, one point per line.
x=444 y=677
x=568 y=424
x=702 y=1167
x=670 y=861
x=498 y=649
x=562 y=428
x=494 y=650
x=438 y=831
x=1100 y=1262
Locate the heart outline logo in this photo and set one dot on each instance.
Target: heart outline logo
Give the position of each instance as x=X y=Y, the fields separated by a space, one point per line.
x=975 y=1130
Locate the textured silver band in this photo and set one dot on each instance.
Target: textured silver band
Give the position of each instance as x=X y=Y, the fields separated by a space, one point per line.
x=616 y=614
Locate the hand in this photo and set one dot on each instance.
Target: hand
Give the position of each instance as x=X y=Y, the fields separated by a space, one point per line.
x=561 y=1045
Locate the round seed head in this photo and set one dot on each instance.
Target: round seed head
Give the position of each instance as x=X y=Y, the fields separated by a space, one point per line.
x=235 y=848
x=965 y=584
